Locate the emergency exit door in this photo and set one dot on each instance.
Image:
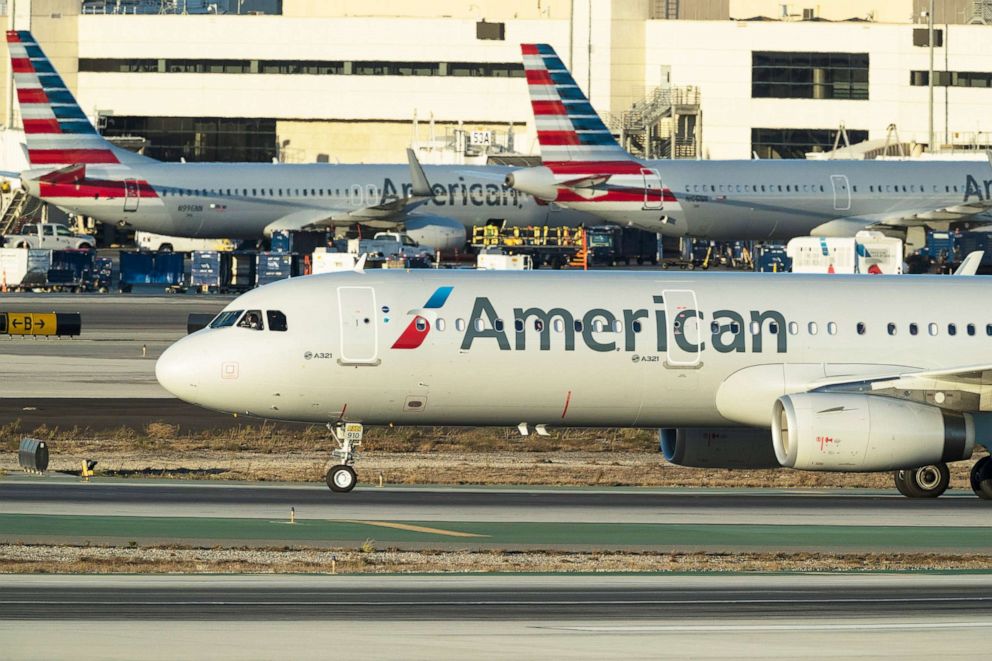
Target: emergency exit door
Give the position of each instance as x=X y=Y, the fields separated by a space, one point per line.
x=359 y=331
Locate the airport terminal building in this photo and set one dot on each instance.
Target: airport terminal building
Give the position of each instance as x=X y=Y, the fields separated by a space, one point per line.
x=305 y=80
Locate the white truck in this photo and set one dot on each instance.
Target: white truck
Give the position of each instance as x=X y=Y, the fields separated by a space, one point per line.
x=49 y=236
x=868 y=252
x=388 y=244
x=151 y=242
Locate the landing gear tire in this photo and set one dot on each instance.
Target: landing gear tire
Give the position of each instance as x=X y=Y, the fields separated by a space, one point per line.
x=981 y=478
x=341 y=478
x=924 y=482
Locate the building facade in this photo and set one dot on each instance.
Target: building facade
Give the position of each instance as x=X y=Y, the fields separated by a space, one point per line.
x=353 y=81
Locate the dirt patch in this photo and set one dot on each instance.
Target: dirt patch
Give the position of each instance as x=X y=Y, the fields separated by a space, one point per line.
x=44 y=559
x=410 y=455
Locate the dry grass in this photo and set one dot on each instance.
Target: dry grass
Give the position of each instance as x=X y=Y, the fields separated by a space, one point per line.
x=44 y=559
x=410 y=455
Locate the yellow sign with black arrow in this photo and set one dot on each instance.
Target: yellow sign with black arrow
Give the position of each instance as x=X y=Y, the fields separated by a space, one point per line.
x=39 y=323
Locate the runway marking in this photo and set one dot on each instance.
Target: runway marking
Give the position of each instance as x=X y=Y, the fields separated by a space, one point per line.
x=713 y=628
x=413 y=528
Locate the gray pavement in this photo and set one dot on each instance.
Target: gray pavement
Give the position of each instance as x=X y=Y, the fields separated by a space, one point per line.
x=146 y=498
x=518 y=616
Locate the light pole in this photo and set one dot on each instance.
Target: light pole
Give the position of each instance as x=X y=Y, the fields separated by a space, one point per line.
x=930 y=78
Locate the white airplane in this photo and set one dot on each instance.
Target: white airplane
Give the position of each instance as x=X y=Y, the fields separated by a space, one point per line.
x=76 y=169
x=585 y=169
x=820 y=373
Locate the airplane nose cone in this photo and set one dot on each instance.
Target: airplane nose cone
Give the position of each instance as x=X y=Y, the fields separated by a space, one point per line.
x=176 y=370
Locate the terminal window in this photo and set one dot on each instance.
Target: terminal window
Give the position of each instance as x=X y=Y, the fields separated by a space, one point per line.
x=796 y=143
x=951 y=78
x=792 y=75
x=200 y=138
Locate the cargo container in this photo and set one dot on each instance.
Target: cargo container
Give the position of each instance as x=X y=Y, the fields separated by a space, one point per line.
x=152 y=269
x=274 y=266
x=301 y=243
x=23 y=268
x=329 y=261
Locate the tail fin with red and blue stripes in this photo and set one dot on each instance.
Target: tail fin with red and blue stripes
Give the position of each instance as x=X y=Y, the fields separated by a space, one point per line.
x=56 y=129
x=568 y=128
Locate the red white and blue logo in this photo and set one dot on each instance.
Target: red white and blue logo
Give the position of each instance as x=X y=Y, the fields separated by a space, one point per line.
x=416 y=332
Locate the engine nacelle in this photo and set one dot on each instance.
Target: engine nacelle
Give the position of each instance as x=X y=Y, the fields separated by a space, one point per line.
x=859 y=433
x=539 y=182
x=712 y=447
x=436 y=232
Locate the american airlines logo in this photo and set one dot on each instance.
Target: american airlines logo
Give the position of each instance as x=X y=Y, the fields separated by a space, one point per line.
x=416 y=332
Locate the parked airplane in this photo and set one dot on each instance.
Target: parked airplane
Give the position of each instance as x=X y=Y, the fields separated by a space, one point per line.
x=737 y=369
x=584 y=168
x=74 y=168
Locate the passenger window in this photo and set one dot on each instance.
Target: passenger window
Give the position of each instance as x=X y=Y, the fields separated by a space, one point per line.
x=812 y=328
x=988 y=329
x=636 y=326
x=479 y=326
x=832 y=328
x=558 y=325
x=617 y=326
x=538 y=325
x=952 y=329
x=421 y=324
x=459 y=325
x=793 y=328
x=225 y=319
x=971 y=329
x=773 y=328
x=277 y=320
x=892 y=329
x=578 y=326
x=498 y=325
x=933 y=329
x=252 y=320
x=439 y=325
x=714 y=327
x=861 y=328
x=755 y=328
x=599 y=325
x=914 y=329
x=735 y=328
x=518 y=325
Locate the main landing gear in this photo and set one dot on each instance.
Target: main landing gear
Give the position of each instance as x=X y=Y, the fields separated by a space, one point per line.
x=932 y=481
x=341 y=477
x=981 y=478
x=924 y=482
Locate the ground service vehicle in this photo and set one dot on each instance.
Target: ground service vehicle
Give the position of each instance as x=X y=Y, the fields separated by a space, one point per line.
x=49 y=236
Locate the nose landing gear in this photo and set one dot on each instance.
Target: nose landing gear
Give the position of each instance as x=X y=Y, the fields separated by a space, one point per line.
x=341 y=477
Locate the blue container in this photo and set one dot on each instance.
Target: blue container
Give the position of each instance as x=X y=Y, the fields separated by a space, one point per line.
x=207 y=269
x=151 y=269
x=70 y=267
x=272 y=267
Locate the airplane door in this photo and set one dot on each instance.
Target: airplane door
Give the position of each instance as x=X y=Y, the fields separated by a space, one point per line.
x=684 y=328
x=131 y=195
x=653 y=196
x=842 y=192
x=359 y=330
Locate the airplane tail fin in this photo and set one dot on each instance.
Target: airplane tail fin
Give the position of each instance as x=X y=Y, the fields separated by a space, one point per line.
x=56 y=129
x=568 y=129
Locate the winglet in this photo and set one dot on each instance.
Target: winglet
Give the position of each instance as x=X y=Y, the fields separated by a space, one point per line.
x=421 y=187
x=360 y=264
x=971 y=263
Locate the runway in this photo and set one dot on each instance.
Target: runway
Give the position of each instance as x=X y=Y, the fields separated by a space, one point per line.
x=518 y=616
x=55 y=509
x=113 y=358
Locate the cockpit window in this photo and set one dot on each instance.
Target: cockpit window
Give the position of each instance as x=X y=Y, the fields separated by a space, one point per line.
x=277 y=320
x=252 y=319
x=226 y=318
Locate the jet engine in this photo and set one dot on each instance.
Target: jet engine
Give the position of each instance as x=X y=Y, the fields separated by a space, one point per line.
x=436 y=232
x=857 y=432
x=539 y=182
x=705 y=447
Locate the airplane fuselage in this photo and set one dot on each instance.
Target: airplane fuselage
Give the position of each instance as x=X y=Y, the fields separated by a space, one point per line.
x=571 y=349
x=220 y=200
x=734 y=200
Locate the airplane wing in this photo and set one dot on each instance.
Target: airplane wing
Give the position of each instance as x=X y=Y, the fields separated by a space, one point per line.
x=964 y=388
x=933 y=218
x=388 y=213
